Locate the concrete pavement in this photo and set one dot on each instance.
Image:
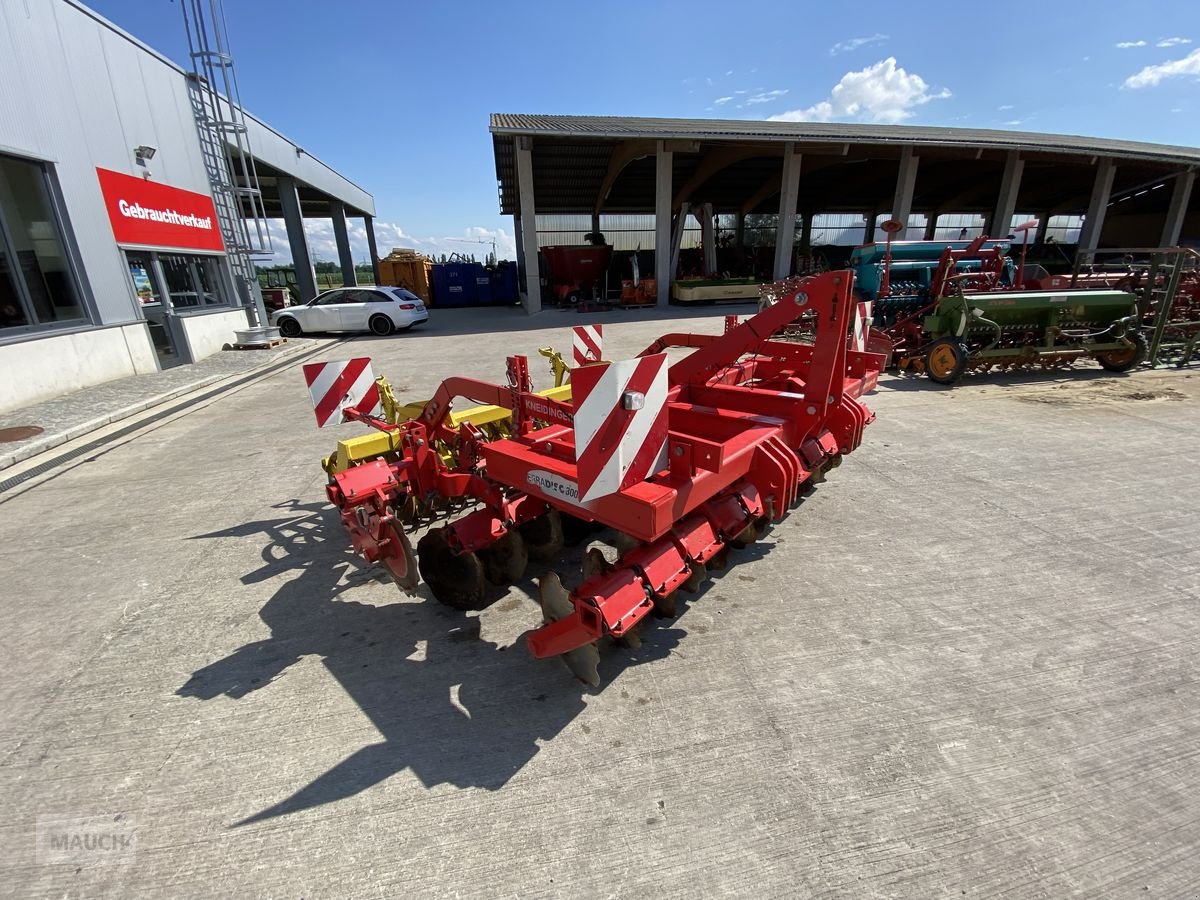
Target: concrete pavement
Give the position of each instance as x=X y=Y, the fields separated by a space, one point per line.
x=963 y=666
x=80 y=413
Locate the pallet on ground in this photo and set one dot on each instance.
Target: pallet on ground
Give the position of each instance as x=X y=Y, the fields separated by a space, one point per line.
x=261 y=345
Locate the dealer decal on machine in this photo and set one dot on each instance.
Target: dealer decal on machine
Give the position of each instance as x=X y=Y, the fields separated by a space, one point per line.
x=546 y=410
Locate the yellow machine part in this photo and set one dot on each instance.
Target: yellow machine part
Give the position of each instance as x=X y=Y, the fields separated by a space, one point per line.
x=558 y=365
x=491 y=419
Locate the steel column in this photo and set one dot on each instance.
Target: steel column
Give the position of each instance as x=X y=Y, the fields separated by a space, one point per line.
x=679 y=222
x=337 y=213
x=785 y=229
x=1000 y=225
x=906 y=183
x=1039 y=236
x=306 y=276
x=931 y=221
x=1093 y=223
x=532 y=299
x=806 y=230
x=663 y=186
x=708 y=239
x=369 y=225
x=1181 y=195
x=520 y=252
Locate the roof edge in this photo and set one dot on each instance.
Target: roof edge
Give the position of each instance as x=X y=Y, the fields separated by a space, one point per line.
x=634 y=127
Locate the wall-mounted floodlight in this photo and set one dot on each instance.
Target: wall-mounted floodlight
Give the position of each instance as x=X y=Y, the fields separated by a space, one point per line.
x=144 y=152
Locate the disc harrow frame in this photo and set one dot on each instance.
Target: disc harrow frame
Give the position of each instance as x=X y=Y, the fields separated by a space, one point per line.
x=751 y=421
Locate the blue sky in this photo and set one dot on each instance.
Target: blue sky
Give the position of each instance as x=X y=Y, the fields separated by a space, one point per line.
x=396 y=96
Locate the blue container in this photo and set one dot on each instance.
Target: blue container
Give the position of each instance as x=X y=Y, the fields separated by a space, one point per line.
x=504 y=284
x=483 y=287
x=454 y=284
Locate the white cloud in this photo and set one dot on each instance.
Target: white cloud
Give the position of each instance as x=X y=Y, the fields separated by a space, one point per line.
x=766 y=96
x=1015 y=122
x=721 y=100
x=1173 y=42
x=730 y=72
x=1125 y=45
x=323 y=246
x=1005 y=107
x=854 y=43
x=1176 y=68
x=883 y=92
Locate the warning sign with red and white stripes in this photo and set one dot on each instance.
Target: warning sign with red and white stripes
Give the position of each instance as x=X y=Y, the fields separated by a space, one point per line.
x=342 y=385
x=863 y=317
x=620 y=423
x=588 y=344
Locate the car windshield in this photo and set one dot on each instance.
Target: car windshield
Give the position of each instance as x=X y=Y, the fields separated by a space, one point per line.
x=405 y=295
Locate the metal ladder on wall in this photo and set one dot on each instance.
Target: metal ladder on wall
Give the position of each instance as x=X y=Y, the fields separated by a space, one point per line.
x=225 y=148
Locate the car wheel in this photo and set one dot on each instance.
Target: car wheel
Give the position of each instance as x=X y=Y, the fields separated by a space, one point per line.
x=289 y=327
x=381 y=325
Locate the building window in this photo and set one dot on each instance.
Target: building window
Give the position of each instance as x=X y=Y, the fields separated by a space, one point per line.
x=37 y=288
x=192 y=281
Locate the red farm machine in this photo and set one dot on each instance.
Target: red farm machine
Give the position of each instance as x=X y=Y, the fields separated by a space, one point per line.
x=576 y=273
x=683 y=460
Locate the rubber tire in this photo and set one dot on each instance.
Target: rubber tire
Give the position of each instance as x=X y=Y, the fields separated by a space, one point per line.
x=290 y=327
x=1140 y=352
x=960 y=364
x=381 y=325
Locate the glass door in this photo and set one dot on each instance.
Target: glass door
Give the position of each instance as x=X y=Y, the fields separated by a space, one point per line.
x=155 y=306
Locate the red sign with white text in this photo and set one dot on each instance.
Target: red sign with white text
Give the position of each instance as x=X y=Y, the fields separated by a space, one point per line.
x=156 y=215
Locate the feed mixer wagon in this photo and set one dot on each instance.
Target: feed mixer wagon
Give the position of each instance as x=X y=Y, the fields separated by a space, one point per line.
x=683 y=459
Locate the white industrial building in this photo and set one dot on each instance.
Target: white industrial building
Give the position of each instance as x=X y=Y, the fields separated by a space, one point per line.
x=121 y=251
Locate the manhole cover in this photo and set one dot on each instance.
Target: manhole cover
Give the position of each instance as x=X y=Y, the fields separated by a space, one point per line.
x=19 y=433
